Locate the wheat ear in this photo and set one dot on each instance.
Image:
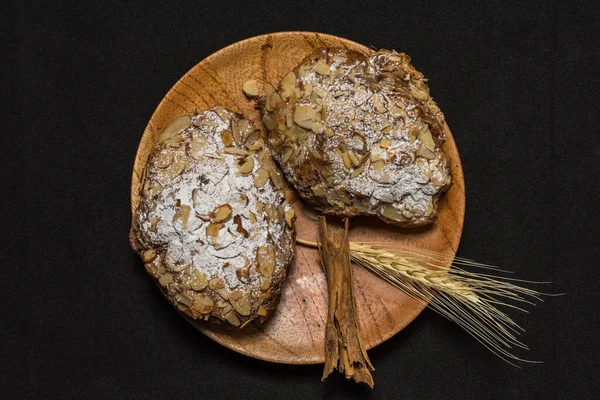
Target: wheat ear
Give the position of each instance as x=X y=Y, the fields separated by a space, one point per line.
x=470 y=299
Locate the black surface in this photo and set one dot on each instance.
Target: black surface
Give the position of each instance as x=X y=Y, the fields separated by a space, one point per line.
x=518 y=82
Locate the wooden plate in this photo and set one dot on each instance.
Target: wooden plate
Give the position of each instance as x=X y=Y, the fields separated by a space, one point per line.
x=295 y=333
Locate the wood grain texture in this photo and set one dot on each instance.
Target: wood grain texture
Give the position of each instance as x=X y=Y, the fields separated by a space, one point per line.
x=295 y=333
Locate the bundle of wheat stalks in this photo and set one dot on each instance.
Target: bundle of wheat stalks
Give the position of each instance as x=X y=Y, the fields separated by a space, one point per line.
x=468 y=298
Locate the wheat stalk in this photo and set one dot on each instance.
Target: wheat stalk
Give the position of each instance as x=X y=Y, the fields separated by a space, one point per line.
x=470 y=299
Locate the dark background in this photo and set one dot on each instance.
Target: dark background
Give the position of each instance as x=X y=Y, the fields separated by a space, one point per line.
x=518 y=82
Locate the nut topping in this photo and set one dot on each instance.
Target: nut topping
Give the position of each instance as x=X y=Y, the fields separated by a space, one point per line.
x=227 y=138
x=261 y=177
x=213 y=229
x=250 y=87
x=290 y=216
x=175 y=127
x=246 y=167
x=321 y=67
x=338 y=109
x=200 y=221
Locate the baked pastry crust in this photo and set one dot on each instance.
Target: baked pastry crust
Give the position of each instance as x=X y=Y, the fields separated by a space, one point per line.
x=213 y=226
x=358 y=134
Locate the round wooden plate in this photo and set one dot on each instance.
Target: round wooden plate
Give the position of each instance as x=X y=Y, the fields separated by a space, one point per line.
x=295 y=333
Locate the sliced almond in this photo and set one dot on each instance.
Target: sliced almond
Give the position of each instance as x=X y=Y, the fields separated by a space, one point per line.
x=269 y=122
x=265 y=283
x=198 y=281
x=235 y=131
x=379 y=104
x=375 y=157
x=288 y=84
x=304 y=115
x=265 y=258
x=252 y=138
x=259 y=207
x=203 y=304
x=176 y=168
x=272 y=212
x=385 y=177
x=430 y=209
x=183 y=300
x=175 y=127
x=329 y=132
x=274 y=100
x=426 y=139
x=216 y=283
x=269 y=89
x=250 y=87
x=213 y=229
x=396 y=111
x=275 y=178
x=182 y=214
x=232 y=318
x=220 y=214
x=165 y=279
x=357 y=171
x=423 y=151
x=297 y=152
x=346 y=159
x=227 y=138
x=385 y=143
x=164 y=159
x=290 y=216
x=245 y=128
x=246 y=166
x=354 y=159
x=174 y=142
x=321 y=67
x=316 y=127
x=244 y=272
x=224 y=114
x=289 y=120
x=390 y=212
x=288 y=154
x=240 y=301
x=262 y=311
x=148 y=255
x=261 y=177
x=257 y=145
x=378 y=165
x=252 y=217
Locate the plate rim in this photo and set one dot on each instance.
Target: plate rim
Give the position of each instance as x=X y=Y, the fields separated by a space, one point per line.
x=199 y=325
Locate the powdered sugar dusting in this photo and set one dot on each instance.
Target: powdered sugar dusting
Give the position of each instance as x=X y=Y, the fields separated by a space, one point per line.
x=370 y=138
x=208 y=180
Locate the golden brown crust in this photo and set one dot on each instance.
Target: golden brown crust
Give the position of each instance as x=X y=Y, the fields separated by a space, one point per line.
x=359 y=135
x=211 y=226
